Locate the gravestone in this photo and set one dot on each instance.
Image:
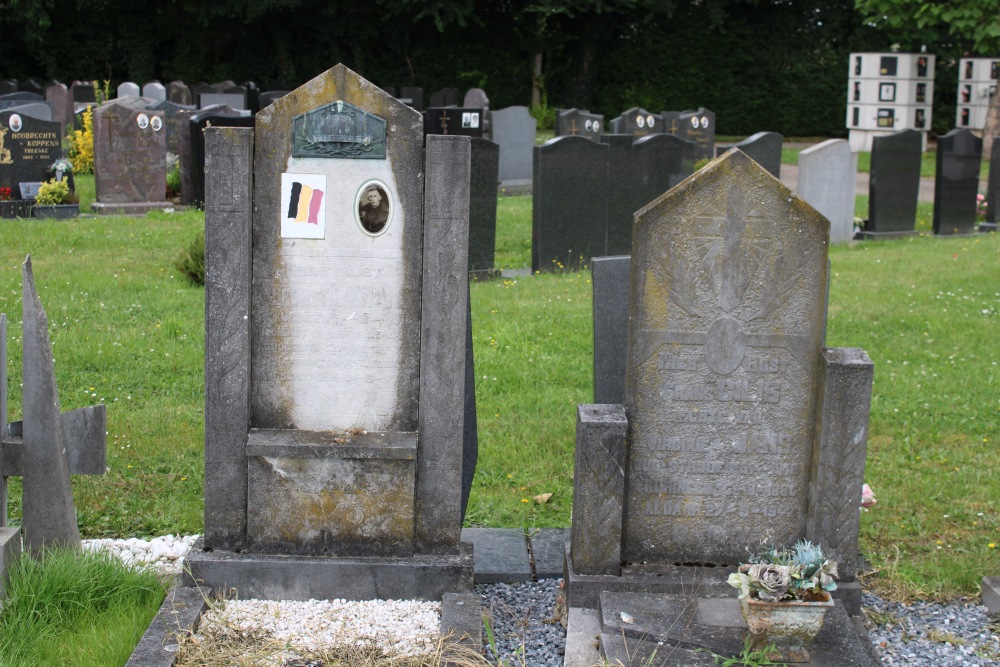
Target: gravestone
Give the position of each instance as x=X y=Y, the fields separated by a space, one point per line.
x=335 y=374
x=28 y=147
x=992 y=189
x=584 y=123
x=486 y=156
x=22 y=97
x=179 y=93
x=638 y=122
x=232 y=100
x=894 y=184
x=130 y=157
x=415 y=95
x=39 y=110
x=57 y=94
x=737 y=424
x=268 y=97
x=956 y=182
x=622 y=200
x=30 y=86
x=83 y=92
x=154 y=90
x=8 y=86
x=514 y=129
x=253 y=96
x=199 y=89
x=455 y=121
x=764 y=148
x=476 y=98
x=172 y=121
x=569 y=203
x=446 y=97
x=827 y=176
x=129 y=89
x=609 y=282
x=191 y=143
x=697 y=126
x=47 y=445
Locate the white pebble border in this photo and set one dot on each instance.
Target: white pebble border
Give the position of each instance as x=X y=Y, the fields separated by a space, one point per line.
x=166 y=553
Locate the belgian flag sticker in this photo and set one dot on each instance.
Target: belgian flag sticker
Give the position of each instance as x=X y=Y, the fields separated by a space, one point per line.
x=303 y=206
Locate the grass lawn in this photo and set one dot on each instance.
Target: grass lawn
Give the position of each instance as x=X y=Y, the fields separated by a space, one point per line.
x=127 y=329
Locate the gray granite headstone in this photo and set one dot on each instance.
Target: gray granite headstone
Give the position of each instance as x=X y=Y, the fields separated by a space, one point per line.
x=39 y=110
x=233 y=100
x=569 y=203
x=486 y=156
x=583 y=123
x=335 y=368
x=28 y=147
x=993 y=187
x=129 y=89
x=130 y=153
x=764 y=148
x=638 y=122
x=956 y=182
x=894 y=183
x=827 y=176
x=609 y=281
x=154 y=90
x=57 y=94
x=514 y=131
x=179 y=93
x=476 y=98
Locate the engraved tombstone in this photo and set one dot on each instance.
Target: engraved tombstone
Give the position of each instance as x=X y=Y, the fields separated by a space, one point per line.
x=584 y=123
x=956 y=182
x=172 y=121
x=335 y=372
x=697 y=126
x=827 y=175
x=467 y=122
x=737 y=424
x=894 y=184
x=130 y=157
x=638 y=122
x=28 y=147
x=513 y=129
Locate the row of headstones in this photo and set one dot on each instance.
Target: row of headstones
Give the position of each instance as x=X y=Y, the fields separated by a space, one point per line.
x=693 y=125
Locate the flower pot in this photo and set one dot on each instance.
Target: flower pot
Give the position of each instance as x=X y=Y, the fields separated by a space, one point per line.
x=788 y=625
x=56 y=211
x=16 y=208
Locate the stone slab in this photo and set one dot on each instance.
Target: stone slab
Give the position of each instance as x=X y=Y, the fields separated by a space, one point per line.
x=10 y=551
x=894 y=182
x=991 y=594
x=583 y=630
x=715 y=625
x=179 y=612
x=269 y=577
x=501 y=554
x=513 y=129
x=610 y=280
x=826 y=181
x=129 y=208
x=548 y=549
x=462 y=619
x=959 y=158
x=84 y=434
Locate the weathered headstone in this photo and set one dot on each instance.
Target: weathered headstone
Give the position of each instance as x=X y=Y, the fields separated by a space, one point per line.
x=455 y=121
x=57 y=94
x=894 y=184
x=569 y=203
x=130 y=157
x=583 y=123
x=476 y=98
x=737 y=424
x=513 y=129
x=191 y=143
x=827 y=177
x=486 y=156
x=993 y=189
x=46 y=446
x=415 y=95
x=638 y=122
x=764 y=148
x=956 y=182
x=446 y=97
x=335 y=374
x=609 y=281
x=28 y=147
x=154 y=90
x=129 y=89
x=179 y=93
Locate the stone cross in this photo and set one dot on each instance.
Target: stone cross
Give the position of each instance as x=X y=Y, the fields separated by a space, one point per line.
x=47 y=445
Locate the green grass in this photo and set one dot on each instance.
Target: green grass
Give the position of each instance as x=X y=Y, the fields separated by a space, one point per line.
x=75 y=610
x=127 y=329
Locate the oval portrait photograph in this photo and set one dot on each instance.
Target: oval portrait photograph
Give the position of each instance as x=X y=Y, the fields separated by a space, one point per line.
x=374 y=210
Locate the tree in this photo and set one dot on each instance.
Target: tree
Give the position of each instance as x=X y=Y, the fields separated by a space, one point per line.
x=974 y=24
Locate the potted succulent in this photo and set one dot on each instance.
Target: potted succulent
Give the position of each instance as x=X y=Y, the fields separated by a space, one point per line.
x=54 y=200
x=784 y=595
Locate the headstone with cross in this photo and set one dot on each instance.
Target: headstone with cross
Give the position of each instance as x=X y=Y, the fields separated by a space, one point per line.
x=47 y=445
x=463 y=122
x=577 y=122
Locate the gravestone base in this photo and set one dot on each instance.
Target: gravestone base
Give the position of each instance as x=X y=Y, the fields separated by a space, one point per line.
x=514 y=187
x=130 y=208
x=987 y=227
x=874 y=236
x=661 y=629
x=274 y=577
x=585 y=590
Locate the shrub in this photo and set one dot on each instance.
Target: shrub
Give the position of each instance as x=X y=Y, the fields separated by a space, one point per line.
x=81 y=145
x=191 y=261
x=52 y=192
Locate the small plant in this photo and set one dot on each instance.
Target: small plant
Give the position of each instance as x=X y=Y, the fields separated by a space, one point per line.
x=53 y=192
x=981 y=207
x=748 y=657
x=5 y=194
x=776 y=574
x=81 y=145
x=191 y=261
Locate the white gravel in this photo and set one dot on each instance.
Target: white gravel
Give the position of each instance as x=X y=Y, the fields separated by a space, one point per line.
x=166 y=553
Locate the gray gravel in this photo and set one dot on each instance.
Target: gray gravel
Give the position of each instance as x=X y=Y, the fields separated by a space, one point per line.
x=919 y=635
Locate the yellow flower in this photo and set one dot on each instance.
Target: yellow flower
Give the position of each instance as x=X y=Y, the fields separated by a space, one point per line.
x=524 y=500
x=992 y=545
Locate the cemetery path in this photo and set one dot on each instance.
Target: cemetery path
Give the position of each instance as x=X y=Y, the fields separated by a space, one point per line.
x=790 y=177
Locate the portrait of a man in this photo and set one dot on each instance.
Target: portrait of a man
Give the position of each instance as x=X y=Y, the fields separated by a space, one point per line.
x=373 y=209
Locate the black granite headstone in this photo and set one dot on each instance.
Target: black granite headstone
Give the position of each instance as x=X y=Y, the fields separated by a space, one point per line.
x=764 y=148
x=894 y=183
x=699 y=127
x=28 y=147
x=993 y=188
x=83 y=92
x=172 y=120
x=253 y=96
x=455 y=121
x=446 y=97
x=610 y=278
x=570 y=201
x=956 y=183
x=622 y=197
x=192 y=155
x=659 y=162
x=638 y=122
x=8 y=86
x=483 y=205
x=30 y=86
x=577 y=122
